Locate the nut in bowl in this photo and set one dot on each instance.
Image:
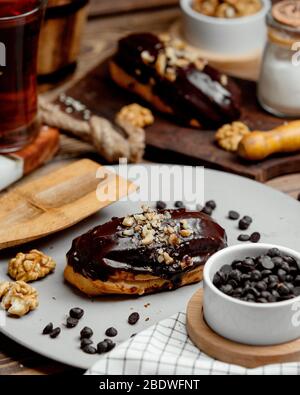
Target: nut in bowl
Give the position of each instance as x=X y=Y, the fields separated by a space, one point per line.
x=254 y=321
x=235 y=35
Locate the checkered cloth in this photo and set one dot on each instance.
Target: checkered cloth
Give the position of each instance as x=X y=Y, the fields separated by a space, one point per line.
x=165 y=349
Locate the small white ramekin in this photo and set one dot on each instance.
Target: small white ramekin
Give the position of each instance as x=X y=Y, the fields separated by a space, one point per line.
x=246 y=322
x=236 y=37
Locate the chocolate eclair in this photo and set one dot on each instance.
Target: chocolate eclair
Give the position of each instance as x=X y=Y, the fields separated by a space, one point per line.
x=171 y=76
x=144 y=253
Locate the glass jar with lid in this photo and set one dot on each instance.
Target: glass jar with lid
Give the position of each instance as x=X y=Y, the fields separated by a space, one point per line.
x=279 y=82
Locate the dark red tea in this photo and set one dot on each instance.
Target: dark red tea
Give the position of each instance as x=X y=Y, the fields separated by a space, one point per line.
x=20 y=22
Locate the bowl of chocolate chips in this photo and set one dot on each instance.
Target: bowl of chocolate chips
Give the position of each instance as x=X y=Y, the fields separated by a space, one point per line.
x=252 y=294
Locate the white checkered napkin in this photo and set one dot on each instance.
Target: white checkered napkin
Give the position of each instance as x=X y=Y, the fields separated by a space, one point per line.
x=165 y=349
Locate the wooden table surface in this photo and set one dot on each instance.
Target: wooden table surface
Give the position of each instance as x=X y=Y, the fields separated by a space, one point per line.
x=105 y=25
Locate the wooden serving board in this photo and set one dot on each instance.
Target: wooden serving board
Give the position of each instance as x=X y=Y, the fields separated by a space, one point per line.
x=57 y=201
x=228 y=351
x=170 y=142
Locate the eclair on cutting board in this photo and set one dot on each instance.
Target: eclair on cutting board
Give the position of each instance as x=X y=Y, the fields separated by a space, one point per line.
x=144 y=253
x=172 y=77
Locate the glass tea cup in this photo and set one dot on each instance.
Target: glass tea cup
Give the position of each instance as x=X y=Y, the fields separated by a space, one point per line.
x=20 y=22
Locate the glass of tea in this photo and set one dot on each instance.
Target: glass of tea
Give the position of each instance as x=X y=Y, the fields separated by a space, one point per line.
x=20 y=22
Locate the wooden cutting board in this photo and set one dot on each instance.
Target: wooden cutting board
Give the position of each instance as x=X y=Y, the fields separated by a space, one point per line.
x=228 y=351
x=170 y=142
x=57 y=201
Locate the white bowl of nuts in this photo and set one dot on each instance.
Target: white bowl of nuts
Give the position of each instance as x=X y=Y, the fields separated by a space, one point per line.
x=251 y=294
x=234 y=28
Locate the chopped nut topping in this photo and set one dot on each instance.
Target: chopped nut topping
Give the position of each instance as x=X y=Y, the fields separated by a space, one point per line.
x=31 y=266
x=229 y=136
x=152 y=226
x=161 y=63
x=147 y=57
x=168 y=259
x=174 y=239
x=19 y=298
x=148 y=237
x=186 y=232
x=128 y=232
x=184 y=224
x=174 y=54
x=224 y=79
x=128 y=221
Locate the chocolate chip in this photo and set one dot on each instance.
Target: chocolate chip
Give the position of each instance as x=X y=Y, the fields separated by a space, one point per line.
x=76 y=312
x=89 y=349
x=226 y=269
x=211 y=204
x=248 y=264
x=179 y=204
x=71 y=322
x=55 y=333
x=110 y=344
x=102 y=347
x=255 y=237
x=261 y=286
x=243 y=225
x=233 y=215
x=277 y=260
x=283 y=289
x=235 y=275
x=226 y=289
x=207 y=210
x=111 y=332
x=290 y=260
x=217 y=280
x=281 y=274
x=273 y=252
x=133 y=318
x=275 y=293
x=272 y=299
x=296 y=291
x=160 y=205
x=262 y=300
x=85 y=342
x=243 y=238
x=86 y=333
x=256 y=275
x=266 y=262
x=266 y=273
x=48 y=329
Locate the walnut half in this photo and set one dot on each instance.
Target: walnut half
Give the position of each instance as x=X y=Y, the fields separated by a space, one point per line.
x=19 y=298
x=136 y=115
x=31 y=266
x=229 y=136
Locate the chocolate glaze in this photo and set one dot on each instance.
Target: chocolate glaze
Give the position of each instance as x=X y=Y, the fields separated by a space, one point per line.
x=194 y=94
x=104 y=250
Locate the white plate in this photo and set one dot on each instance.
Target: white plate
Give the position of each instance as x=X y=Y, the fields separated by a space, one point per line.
x=275 y=215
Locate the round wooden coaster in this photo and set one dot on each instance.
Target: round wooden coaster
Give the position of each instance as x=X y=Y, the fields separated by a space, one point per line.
x=228 y=351
x=246 y=67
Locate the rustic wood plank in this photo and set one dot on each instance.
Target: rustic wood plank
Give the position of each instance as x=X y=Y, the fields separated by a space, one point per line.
x=108 y=7
x=229 y=351
x=167 y=140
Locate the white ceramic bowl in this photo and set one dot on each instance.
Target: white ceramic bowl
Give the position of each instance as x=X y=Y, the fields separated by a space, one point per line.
x=245 y=322
x=235 y=37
